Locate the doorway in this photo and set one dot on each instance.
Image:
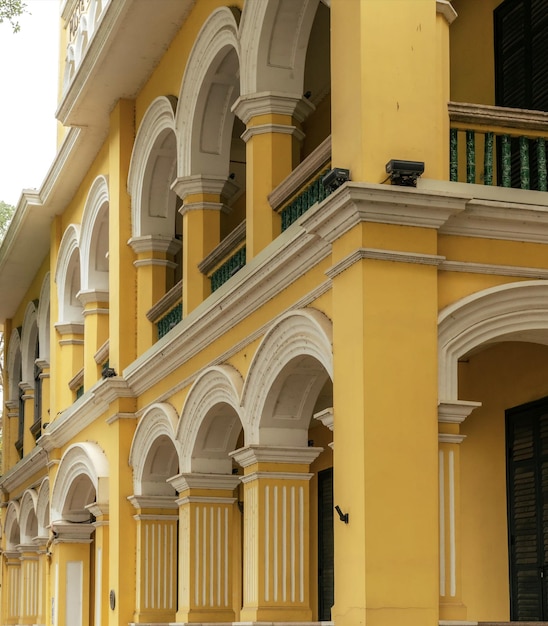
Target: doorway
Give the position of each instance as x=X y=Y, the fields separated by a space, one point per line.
x=527 y=485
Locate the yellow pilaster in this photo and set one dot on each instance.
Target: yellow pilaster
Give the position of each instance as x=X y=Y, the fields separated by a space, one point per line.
x=450 y=417
x=273 y=137
x=72 y=600
x=30 y=585
x=71 y=344
x=385 y=456
x=122 y=288
x=276 y=529
x=11 y=593
x=203 y=200
x=388 y=60
x=28 y=399
x=96 y=321
x=45 y=380
x=207 y=519
x=156 y=582
x=43 y=579
x=154 y=262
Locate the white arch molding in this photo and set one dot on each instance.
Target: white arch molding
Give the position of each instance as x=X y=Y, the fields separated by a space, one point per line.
x=28 y=522
x=211 y=421
x=67 y=276
x=288 y=371
x=82 y=466
x=42 y=508
x=44 y=320
x=11 y=526
x=93 y=240
x=210 y=87
x=512 y=312
x=152 y=170
x=154 y=456
x=274 y=40
x=14 y=362
x=29 y=337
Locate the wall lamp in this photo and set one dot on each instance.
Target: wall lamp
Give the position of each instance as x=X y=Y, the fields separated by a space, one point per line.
x=404 y=173
x=342 y=516
x=335 y=178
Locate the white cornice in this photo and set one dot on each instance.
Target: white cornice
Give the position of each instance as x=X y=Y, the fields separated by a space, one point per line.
x=253 y=454
x=445 y=8
x=493 y=269
x=264 y=129
x=154 y=243
x=83 y=412
x=26 y=468
x=153 y=502
x=276 y=476
x=70 y=328
x=363 y=202
x=186 y=482
x=456 y=412
x=269 y=102
x=450 y=438
x=289 y=256
x=383 y=255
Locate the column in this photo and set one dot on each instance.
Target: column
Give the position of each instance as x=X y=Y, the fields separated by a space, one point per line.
x=155 y=260
x=43 y=573
x=12 y=588
x=273 y=137
x=208 y=552
x=377 y=101
x=96 y=318
x=71 y=343
x=276 y=532
x=71 y=562
x=30 y=584
x=450 y=417
x=101 y=541
x=156 y=565
x=28 y=398
x=204 y=197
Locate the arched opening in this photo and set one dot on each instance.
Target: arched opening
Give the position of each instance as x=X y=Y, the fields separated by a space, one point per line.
x=494 y=352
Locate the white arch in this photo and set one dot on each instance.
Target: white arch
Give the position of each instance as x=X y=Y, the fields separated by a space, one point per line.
x=516 y=311
x=81 y=460
x=210 y=87
x=94 y=237
x=29 y=337
x=14 y=362
x=28 y=522
x=207 y=430
x=151 y=455
x=44 y=319
x=42 y=508
x=301 y=341
x=274 y=40
x=67 y=276
x=11 y=526
x=152 y=170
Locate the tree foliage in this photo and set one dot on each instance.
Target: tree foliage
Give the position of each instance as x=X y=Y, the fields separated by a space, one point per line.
x=6 y=213
x=10 y=10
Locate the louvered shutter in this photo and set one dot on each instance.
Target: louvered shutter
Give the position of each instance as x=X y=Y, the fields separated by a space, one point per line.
x=527 y=437
x=326 y=561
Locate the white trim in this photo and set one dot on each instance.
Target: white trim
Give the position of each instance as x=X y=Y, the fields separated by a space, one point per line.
x=512 y=311
x=253 y=454
x=450 y=438
x=494 y=269
x=445 y=8
x=95 y=215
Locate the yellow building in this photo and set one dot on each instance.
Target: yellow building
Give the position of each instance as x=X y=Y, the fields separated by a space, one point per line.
x=251 y=376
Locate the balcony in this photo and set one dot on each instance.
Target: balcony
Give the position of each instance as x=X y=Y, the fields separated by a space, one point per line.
x=498 y=146
x=168 y=311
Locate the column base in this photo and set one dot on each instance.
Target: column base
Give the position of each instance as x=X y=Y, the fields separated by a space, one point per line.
x=268 y=623
x=277 y=615
x=453 y=612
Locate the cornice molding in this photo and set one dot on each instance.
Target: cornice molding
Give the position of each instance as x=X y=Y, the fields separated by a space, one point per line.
x=197 y=184
x=270 y=102
x=450 y=438
x=445 y=8
x=154 y=243
x=383 y=255
x=166 y=302
x=229 y=243
x=363 y=202
x=456 y=412
x=154 y=502
x=24 y=470
x=188 y=482
x=253 y=454
x=265 y=129
x=493 y=269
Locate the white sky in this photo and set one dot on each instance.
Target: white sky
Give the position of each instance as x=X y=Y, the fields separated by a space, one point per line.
x=28 y=98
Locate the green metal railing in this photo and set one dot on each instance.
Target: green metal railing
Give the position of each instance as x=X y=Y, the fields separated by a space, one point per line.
x=228 y=269
x=312 y=193
x=169 y=320
x=507 y=160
